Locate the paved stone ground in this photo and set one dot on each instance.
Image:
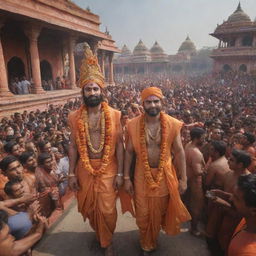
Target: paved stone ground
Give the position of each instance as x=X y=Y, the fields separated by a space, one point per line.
x=70 y=236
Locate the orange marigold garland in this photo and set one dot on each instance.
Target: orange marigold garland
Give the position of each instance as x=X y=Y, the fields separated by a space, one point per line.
x=151 y=181
x=82 y=142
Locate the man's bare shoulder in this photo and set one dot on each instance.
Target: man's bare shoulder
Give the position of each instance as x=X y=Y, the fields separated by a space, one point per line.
x=193 y=153
x=192 y=149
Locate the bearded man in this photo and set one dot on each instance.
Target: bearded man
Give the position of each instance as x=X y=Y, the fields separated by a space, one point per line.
x=154 y=137
x=96 y=154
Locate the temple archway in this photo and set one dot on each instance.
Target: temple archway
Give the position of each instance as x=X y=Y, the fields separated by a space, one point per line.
x=226 y=68
x=16 y=68
x=243 y=68
x=46 y=70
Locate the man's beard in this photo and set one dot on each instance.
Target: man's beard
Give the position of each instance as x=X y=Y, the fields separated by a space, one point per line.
x=152 y=111
x=92 y=101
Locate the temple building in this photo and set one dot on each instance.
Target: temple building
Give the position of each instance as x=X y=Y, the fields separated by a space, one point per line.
x=154 y=60
x=237 y=43
x=37 y=44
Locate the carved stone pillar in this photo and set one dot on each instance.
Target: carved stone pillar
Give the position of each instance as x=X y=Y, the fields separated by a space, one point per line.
x=111 y=69
x=254 y=41
x=4 y=89
x=32 y=32
x=101 y=57
x=72 y=69
x=238 y=42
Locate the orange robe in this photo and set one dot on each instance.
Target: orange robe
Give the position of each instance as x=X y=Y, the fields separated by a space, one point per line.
x=242 y=243
x=227 y=227
x=97 y=197
x=161 y=207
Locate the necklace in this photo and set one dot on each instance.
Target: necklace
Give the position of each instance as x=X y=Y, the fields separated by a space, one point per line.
x=81 y=142
x=150 y=135
x=95 y=126
x=150 y=180
x=102 y=134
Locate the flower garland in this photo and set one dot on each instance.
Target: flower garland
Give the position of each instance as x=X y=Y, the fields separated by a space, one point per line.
x=150 y=180
x=82 y=142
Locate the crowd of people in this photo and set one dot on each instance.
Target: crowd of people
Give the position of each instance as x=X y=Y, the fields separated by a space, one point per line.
x=20 y=85
x=34 y=168
x=23 y=85
x=218 y=135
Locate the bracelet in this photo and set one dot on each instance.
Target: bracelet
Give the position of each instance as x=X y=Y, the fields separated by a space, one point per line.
x=71 y=175
x=126 y=177
x=119 y=175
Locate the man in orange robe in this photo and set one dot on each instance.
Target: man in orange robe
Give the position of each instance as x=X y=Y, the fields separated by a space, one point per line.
x=243 y=242
x=96 y=154
x=154 y=137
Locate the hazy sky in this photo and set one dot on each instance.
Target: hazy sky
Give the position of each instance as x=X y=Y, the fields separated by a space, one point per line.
x=167 y=21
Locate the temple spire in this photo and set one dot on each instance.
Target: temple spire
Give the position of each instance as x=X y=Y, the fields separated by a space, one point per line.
x=239 y=8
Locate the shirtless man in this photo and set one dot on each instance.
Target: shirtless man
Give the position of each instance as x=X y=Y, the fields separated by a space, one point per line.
x=10 y=246
x=247 y=142
x=238 y=162
x=29 y=162
x=195 y=169
x=215 y=176
x=154 y=137
x=219 y=166
x=244 y=199
x=215 y=134
x=13 y=170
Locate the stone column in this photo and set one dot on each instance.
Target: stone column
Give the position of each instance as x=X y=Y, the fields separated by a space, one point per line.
x=4 y=89
x=239 y=42
x=33 y=31
x=101 y=58
x=103 y=63
x=111 y=69
x=72 y=69
x=254 y=41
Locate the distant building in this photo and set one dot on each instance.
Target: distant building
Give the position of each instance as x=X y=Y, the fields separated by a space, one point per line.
x=143 y=61
x=37 y=42
x=237 y=43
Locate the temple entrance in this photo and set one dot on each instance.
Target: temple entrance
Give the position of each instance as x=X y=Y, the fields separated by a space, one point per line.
x=226 y=68
x=243 y=68
x=46 y=70
x=15 y=68
x=46 y=75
